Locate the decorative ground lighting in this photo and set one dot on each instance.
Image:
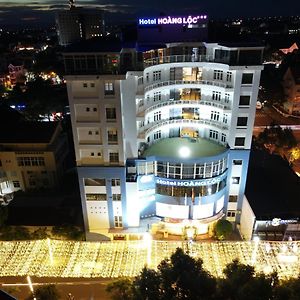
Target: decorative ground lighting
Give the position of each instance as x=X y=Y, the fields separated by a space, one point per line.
x=184 y=152
x=255 y=249
x=147 y=238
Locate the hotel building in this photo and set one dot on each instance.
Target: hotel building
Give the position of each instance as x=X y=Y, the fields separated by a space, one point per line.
x=164 y=148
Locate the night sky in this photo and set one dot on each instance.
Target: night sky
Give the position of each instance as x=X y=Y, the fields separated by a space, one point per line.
x=28 y=12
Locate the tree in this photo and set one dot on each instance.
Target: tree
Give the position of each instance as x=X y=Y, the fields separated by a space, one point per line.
x=147 y=285
x=223 y=229
x=45 y=292
x=121 y=289
x=276 y=140
x=183 y=277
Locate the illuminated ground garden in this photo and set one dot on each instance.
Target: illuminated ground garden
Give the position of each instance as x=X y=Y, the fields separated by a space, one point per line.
x=47 y=258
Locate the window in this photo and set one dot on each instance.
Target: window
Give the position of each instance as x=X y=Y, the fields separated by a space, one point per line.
x=85 y=85
x=239 y=141
x=110 y=114
x=157 y=135
x=94 y=182
x=216 y=95
x=116 y=197
x=225 y=118
x=112 y=136
x=87 y=109
x=237 y=162
x=31 y=161
x=16 y=184
x=109 y=88
x=92 y=154
x=215 y=115
x=116 y=182
x=247 y=78
x=95 y=197
x=218 y=74
x=242 y=121
x=99 y=154
x=156 y=75
x=244 y=101
x=0 y=163
x=223 y=138
x=114 y=157
x=90 y=132
x=96 y=132
x=213 y=134
x=231 y=214
x=92 y=85
x=94 y=108
x=235 y=180
x=118 y=221
x=157 y=116
x=157 y=96
x=147 y=77
x=227 y=97
x=233 y=199
x=228 y=76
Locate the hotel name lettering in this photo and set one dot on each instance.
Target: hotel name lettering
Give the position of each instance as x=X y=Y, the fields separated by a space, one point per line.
x=188 y=183
x=171 y=20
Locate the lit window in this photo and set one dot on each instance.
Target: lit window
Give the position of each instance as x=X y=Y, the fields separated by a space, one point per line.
x=235 y=180
x=109 y=88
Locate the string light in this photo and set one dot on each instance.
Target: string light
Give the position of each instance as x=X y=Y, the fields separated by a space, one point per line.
x=45 y=258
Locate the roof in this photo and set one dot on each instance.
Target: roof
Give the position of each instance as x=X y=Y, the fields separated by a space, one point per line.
x=173 y=147
x=272 y=187
x=28 y=132
x=94 y=45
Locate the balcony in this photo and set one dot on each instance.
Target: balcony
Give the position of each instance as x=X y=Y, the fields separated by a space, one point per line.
x=183 y=82
x=177 y=59
x=154 y=126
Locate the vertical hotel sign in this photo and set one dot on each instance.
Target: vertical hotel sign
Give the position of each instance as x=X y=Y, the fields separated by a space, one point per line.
x=171 y=20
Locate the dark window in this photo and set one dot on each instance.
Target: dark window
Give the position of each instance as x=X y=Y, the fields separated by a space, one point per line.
x=87 y=109
x=237 y=162
x=247 y=78
x=242 y=121
x=239 y=141
x=244 y=101
x=233 y=198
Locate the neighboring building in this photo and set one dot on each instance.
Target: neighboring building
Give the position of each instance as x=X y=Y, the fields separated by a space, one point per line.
x=78 y=23
x=166 y=147
x=291 y=86
x=32 y=154
x=16 y=74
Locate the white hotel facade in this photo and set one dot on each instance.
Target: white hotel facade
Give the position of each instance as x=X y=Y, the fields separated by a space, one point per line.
x=165 y=148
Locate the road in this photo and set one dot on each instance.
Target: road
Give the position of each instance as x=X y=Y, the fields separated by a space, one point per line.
x=80 y=289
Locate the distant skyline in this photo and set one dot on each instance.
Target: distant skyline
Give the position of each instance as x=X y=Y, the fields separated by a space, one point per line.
x=27 y=12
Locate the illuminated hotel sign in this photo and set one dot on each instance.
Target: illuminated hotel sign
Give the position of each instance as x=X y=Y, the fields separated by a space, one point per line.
x=171 y=20
x=188 y=183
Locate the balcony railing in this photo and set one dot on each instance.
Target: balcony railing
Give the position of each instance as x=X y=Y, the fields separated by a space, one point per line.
x=177 y=59
x=153 y=126
x=173 y=82
x=191 y=103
